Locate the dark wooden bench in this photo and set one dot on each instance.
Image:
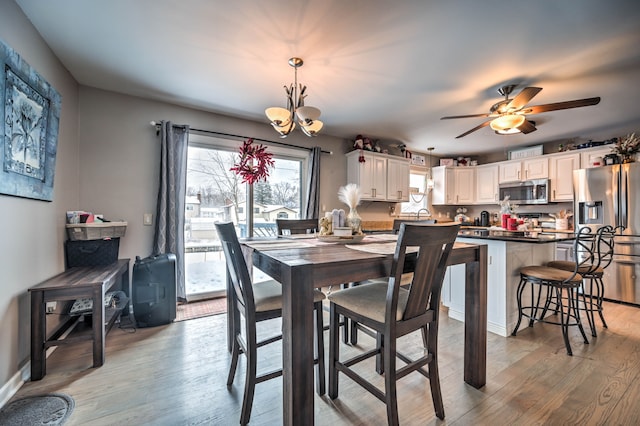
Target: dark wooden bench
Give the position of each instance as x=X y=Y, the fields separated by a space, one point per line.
x=76 y=283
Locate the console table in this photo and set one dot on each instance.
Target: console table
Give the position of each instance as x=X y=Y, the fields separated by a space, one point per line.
x=76 y=283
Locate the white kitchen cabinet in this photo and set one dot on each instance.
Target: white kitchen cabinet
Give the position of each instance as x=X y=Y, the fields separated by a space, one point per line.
x=453 y=185
x=561 y=167
x=380 y=177
x=486 y=184
x=398 y=171
x=588 y=156
x=526 y=169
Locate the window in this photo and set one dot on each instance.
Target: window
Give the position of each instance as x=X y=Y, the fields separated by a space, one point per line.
x=417 y=179
x=223 y=197
x=283 y=215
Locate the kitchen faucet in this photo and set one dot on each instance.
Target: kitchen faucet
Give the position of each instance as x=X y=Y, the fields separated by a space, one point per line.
x=423 y=209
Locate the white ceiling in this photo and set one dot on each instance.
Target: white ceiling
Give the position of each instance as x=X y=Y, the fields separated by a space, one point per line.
x=386 y=69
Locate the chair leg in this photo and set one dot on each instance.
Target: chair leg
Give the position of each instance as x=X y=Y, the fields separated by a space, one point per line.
x=250 y=378
x=235 y=353
x=334 y=351
x=564 y=323
x=519 y=291
x=589 y=306
x=434 y=374
x=391 y=397
x=600 y=295
x=320 y=382
x=573 y=304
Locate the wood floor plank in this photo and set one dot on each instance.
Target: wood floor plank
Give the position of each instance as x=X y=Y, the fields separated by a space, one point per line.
x=176 y=375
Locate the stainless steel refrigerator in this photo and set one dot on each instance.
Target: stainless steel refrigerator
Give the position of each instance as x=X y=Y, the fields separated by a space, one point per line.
x=610 y=195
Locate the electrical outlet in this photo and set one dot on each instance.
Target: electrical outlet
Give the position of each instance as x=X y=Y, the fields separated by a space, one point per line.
x=147 y=219
x=392 y=210
x=51 y=307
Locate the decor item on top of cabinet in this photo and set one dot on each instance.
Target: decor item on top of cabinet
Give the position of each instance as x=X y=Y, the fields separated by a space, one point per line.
x=350 y=195
x=254 y=162
x=627 y=147
x=447 y=162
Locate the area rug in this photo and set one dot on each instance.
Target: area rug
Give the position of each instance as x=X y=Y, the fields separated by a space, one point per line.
x=201 y=309
x=51 y=410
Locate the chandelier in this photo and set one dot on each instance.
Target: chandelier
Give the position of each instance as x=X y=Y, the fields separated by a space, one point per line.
x=284 y=119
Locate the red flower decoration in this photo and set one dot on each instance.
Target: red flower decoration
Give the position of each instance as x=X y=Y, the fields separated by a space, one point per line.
x=254 y=162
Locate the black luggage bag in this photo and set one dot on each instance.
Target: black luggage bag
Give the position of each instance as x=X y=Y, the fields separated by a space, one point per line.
x=154 y=290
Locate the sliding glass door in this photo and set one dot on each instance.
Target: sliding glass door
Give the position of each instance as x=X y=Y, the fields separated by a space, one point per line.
x=214 y=193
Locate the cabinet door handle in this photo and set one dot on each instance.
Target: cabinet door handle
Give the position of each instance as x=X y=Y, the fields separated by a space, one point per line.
x=399 y=195
x=373 y=192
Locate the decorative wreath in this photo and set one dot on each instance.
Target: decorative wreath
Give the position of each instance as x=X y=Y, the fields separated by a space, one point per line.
x=254 y=162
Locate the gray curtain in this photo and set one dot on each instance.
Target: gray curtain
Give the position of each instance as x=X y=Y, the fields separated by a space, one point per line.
x=313 y=202
x=169 y=232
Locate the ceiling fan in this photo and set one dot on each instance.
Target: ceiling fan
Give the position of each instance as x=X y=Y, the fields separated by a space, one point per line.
x=509 y=115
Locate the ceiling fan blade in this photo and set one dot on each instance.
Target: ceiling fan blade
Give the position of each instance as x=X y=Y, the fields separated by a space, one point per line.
x=527 y=127
x=537 y=109
x=523 y=98
x=485 y=124
x=464 y=116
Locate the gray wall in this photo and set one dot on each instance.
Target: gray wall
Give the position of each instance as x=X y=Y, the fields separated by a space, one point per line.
x=107 y=162
x=32 y=232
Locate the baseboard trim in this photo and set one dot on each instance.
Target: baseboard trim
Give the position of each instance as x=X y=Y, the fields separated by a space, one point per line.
x=491 y=327
x=15 y=383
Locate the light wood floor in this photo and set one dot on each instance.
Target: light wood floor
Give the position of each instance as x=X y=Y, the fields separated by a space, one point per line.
x=175 y=375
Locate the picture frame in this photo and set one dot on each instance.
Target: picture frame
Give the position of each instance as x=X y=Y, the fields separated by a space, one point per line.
x=30 y=113
x=530 y=151
x=447 y=162
x=418 y=160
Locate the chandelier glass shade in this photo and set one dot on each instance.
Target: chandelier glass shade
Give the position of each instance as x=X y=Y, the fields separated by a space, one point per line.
x=284 y=120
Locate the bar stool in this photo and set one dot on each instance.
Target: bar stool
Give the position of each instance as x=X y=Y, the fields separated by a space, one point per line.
x=601 y=255
x=562 y=290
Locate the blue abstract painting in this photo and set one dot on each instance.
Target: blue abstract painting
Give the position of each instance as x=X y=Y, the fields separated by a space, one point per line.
x=29 y=129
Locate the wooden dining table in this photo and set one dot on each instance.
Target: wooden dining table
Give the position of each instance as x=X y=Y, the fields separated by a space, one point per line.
x=301 y=265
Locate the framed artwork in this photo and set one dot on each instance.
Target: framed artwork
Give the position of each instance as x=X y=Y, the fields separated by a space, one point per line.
x=30 y=112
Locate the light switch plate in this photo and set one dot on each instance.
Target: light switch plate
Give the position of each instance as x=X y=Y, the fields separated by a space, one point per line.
x=147 y=219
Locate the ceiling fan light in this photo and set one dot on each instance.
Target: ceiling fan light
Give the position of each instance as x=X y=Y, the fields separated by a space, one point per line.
x=278 y=116
x=308 y=114
x=312 y=129
x=507 y=122
x=511 y=131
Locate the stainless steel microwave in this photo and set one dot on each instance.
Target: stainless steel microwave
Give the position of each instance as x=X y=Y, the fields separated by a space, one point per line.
x=535 y=191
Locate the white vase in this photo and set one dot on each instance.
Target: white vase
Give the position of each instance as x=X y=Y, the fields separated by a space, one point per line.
x=354 y=221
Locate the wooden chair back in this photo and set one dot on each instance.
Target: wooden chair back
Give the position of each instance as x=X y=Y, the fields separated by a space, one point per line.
x=398 y=222
x=296 y=226
x=434 y=243
x=236 y=267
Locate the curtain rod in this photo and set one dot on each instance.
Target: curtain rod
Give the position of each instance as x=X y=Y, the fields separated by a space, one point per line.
x=157 y=124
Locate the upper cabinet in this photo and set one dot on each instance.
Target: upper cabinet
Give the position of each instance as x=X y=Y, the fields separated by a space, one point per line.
x=526 y=169
x=398 y=171
x=589 y=157
x=453 y=185
x=561 y=167
x=487 y=184
x=380 y=177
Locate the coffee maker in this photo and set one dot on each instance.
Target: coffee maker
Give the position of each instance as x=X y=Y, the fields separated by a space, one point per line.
x=485 y=219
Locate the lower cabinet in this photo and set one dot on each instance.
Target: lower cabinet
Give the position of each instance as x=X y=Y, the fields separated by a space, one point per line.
x=504 y=260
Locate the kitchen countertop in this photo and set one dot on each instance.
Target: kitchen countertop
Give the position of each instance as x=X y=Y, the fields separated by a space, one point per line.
x=502 y=235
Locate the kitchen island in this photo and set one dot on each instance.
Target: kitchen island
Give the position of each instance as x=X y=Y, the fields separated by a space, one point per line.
x=507 y=253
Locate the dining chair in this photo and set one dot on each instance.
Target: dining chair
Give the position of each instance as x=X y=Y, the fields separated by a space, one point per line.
x=296 y=226
x=562 y=289
x=406 y=279
x=601 y=255
x=393 y=311
x=256 y=303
